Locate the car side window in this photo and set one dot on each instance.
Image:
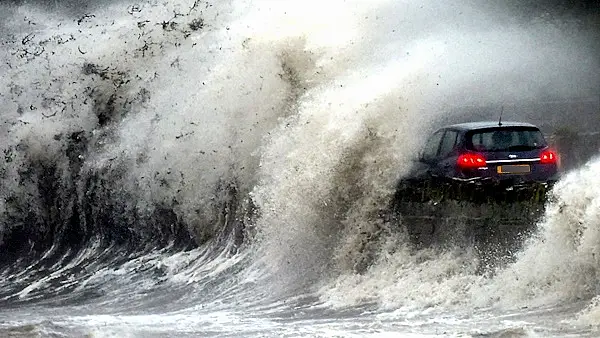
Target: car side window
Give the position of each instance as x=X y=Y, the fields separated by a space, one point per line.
x=431 y=147
x=448 y=143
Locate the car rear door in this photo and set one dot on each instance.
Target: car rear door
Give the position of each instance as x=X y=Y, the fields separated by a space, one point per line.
x=446 y=162
x=428 y=159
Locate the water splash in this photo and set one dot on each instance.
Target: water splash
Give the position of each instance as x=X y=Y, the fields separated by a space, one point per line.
x=146 y=123
x=560 y=264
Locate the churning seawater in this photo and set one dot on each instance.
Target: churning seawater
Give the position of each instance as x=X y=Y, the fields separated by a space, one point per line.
x=197 y=168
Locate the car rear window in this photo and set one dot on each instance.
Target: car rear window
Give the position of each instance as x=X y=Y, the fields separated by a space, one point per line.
x=506 y=139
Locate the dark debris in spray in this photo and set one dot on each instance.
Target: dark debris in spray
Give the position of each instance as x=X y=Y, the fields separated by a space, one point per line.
x=62 y=205
x=196 y=24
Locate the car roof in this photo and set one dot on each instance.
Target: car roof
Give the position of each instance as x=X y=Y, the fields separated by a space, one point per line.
x=488 y=124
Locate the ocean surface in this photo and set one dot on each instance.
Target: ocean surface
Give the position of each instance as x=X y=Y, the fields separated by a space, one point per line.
x=224 y=168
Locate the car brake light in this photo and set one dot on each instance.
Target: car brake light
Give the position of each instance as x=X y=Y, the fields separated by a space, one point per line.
x=470 y=160
x=548 y=157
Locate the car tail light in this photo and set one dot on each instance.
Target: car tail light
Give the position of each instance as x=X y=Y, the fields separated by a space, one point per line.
x=470 y=160
x=548 y=157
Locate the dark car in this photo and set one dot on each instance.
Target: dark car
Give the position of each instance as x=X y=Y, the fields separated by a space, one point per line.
x=482 y=160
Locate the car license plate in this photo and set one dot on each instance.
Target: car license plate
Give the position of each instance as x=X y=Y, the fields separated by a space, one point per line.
x=514 y=169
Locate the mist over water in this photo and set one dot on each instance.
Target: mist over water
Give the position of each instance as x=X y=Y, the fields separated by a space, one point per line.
x=225 y=158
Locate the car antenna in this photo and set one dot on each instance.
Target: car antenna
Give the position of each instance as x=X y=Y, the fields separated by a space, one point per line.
x=500 y=119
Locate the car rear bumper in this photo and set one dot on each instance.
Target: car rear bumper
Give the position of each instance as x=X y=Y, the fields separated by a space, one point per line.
x=472 y=190
x=514 y=181
x=491 y=175
x=505 y=190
